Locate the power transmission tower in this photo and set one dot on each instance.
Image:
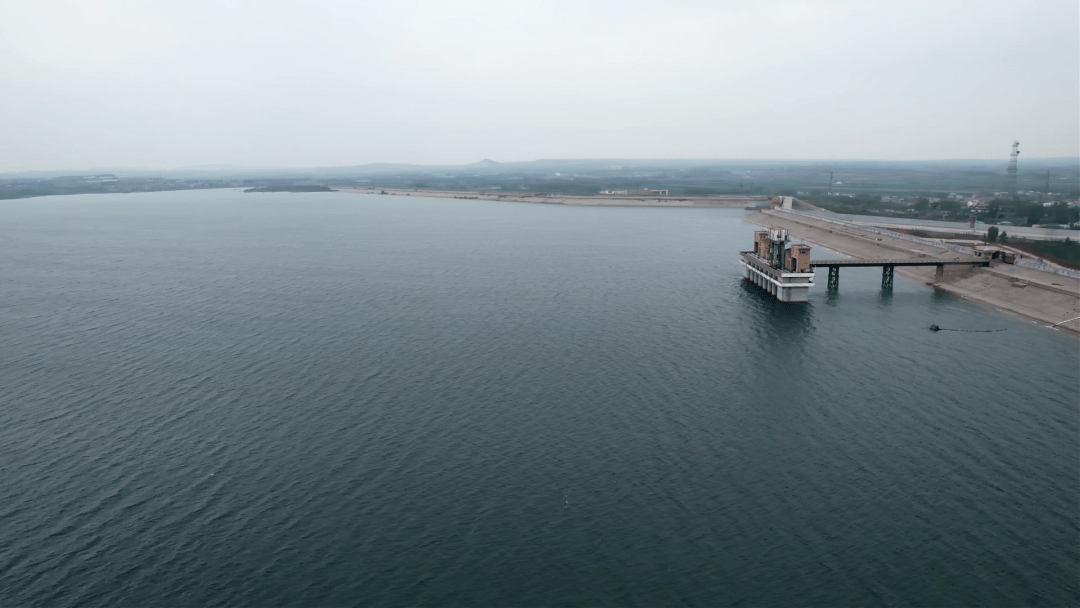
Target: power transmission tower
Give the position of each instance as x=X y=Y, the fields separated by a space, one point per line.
x=1046 y=190
x=830 y=183
x=1012 y=168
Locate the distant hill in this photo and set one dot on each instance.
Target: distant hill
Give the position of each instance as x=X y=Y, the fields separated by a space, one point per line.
x=214 y=168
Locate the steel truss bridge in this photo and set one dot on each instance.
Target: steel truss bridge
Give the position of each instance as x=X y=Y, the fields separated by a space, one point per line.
x=888 y=266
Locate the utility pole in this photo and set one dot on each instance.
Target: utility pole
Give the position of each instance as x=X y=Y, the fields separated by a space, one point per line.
x=830 y=183
x=1046 y=190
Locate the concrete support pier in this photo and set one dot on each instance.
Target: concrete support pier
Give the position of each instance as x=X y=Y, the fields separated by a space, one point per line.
x=887 y=273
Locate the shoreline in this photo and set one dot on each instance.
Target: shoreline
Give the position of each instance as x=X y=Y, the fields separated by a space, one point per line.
x=1042 y=297
x=1038 y=296
x=579 y=200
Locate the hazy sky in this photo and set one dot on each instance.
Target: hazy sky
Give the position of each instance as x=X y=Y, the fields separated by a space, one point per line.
x=264 y=83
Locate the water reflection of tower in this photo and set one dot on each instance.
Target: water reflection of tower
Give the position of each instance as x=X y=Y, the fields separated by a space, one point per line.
x=1012 y=168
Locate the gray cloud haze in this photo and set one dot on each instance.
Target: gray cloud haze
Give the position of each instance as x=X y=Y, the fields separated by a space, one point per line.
x=262 y=84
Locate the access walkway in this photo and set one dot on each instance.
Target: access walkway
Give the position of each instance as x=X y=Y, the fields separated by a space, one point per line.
x=887 y=266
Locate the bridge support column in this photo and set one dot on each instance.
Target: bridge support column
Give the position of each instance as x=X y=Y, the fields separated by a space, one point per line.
x=940 y=273
x=887 y=276
x=834 y=277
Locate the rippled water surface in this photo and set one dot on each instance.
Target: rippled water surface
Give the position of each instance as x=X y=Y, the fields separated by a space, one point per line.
x=225 y=399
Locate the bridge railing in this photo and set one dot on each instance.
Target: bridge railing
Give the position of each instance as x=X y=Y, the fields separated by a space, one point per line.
x=1068 y=272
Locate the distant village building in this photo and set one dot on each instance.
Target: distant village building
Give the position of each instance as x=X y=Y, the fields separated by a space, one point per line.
x=995 y=253
x=636 y=192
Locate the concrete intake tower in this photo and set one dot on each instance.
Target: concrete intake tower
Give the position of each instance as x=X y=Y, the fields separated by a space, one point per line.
x=783 y=271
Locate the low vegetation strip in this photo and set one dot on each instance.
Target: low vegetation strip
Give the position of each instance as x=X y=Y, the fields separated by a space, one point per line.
x=292 y=188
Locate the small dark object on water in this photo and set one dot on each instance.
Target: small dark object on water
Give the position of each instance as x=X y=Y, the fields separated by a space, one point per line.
x=974 y=331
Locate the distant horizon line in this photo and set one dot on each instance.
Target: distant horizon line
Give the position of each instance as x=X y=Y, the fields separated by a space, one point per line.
x=489 y=162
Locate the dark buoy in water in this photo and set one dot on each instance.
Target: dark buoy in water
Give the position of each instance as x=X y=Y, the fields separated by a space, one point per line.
x=935 y=328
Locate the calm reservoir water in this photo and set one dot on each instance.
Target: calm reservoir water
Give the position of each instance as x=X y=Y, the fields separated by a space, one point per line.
x=224 y=399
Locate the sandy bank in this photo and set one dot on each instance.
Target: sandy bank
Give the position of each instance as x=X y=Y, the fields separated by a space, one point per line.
x=569 y=199
x=1040 y=296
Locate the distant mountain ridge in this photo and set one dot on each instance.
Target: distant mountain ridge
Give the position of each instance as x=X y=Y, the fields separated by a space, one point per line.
x=488 y=166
